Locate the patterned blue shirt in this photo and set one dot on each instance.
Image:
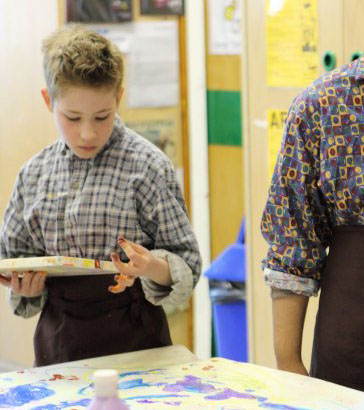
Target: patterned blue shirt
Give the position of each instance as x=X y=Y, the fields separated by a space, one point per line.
x=318 y=182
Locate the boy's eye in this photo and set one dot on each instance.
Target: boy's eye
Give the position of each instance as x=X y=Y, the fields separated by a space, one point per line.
x=73 y=118
x=102 y=118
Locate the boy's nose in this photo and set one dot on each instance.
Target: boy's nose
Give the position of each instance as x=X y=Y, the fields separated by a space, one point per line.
x=87 y=132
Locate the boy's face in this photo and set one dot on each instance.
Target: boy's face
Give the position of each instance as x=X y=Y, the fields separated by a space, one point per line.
x=84 y=117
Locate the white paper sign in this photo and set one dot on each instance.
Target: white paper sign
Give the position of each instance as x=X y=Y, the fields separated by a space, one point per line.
x=154 y=65
x=225 y=27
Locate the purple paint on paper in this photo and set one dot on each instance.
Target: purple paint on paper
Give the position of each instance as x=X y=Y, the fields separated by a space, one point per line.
x=229 y=393
x=24 y=394
x=154 y=396
x=191 y=384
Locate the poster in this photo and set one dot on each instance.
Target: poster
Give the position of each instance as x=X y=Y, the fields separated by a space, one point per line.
x=98 y=11
x=153 y=65
x=276 y=121
x=152 y=61
x=171 y=7
x=224 y=27
x=161 y=132
x=291 y=42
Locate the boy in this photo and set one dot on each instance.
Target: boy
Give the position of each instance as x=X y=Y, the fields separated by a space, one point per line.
x=99 y=189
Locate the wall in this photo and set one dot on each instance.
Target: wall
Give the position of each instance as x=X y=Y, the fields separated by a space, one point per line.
x=25 y=127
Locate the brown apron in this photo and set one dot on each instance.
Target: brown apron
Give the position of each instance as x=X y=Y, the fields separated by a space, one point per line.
x=82 y=319
x=338 y=347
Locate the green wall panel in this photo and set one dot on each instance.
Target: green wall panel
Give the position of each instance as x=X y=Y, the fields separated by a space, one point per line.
x=224 y=117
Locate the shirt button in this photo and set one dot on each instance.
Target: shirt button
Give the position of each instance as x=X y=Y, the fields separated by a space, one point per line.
x=74 y=185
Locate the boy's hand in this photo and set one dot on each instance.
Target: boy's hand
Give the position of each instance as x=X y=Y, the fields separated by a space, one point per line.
x=30 y=285
x=141 y=263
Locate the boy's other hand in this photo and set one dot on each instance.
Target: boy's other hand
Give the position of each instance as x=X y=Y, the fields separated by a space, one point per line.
x=141 y=263
x=30 y=285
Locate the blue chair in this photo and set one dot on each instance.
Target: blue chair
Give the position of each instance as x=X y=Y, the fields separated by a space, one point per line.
x=227 y=277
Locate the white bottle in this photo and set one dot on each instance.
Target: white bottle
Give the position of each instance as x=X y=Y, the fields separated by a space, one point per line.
x=106 y=391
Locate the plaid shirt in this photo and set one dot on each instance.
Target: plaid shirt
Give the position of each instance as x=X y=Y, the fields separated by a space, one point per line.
x=65 y=205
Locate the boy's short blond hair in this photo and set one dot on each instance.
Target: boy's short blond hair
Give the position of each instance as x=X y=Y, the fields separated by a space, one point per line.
x=77 y=56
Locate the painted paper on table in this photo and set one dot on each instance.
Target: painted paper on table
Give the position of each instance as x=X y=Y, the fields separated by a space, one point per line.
x=216 y=384
x=57 y=266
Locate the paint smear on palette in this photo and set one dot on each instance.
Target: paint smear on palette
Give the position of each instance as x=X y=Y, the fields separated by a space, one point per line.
x=20 y=395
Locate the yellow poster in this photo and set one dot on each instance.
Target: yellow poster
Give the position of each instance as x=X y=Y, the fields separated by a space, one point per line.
x=276 y=120
x=292 y=42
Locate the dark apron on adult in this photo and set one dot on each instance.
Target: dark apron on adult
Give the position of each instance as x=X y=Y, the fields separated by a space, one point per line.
x=338 y=348
x=82 y=319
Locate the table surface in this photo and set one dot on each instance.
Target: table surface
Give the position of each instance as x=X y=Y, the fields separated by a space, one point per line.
x=173 y=378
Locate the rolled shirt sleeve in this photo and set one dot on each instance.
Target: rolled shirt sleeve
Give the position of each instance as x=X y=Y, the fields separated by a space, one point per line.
x=295 y=222
x=16 y=242
x=165 y=219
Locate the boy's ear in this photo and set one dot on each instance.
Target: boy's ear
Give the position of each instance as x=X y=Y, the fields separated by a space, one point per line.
x=118 y=97
x=47 y=99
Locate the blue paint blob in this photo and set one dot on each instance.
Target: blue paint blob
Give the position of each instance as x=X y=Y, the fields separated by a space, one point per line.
x=63 y=405
x=24 y=394
x=139 y=373
x=132 y=384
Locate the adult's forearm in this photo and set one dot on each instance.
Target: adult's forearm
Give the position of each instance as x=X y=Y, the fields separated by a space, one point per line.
x=288 y=320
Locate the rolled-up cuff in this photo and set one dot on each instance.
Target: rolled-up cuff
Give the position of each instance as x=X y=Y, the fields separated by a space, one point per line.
x=26 y=307
x=292 y=283
x=179 y=292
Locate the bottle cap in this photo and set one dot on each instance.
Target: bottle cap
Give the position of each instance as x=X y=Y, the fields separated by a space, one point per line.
x=105 y=382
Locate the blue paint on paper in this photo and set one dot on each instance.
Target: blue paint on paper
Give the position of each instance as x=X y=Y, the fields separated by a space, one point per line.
x=132 y=384
x=63 y=405
x=83 y=389
x=139 y=373
x=24 y=394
